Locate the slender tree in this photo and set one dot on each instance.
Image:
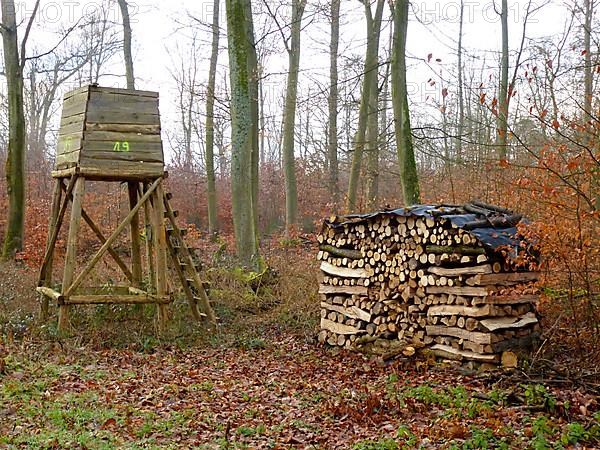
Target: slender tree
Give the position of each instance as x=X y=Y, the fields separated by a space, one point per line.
x=409 y=181
x=332 y=101
x=14 y=62
x=210 y=124
x=370 y=72
x=503 y=110
x=127 y=44
x=289 y=114
x=588 y=68
x=244 y=129
x=461 y=100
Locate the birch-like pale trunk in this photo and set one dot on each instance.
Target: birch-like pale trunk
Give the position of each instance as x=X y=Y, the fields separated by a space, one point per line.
x=211 y=188
x=409 y=180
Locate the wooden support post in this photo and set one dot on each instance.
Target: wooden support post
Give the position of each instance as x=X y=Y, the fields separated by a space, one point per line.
x=102 y=239
x=149 y=242
x=71 y=254
x=160 y=249
x=136 y=256
x=46 y=276
x=112 y=237
x=61 y=215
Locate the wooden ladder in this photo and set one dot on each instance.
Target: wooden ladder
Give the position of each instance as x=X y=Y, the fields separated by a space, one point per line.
x=186 y=268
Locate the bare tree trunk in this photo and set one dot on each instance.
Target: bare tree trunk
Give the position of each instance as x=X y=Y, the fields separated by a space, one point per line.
x=332 y=101
x=371 y=66
x=409 y=181
x=127 y=44
x=587 y=71
x=461 y=100
x=289 y=116
x=373 y=146
x=15 y=160
x=244 y=129
x=503 y=100
x=210 y=125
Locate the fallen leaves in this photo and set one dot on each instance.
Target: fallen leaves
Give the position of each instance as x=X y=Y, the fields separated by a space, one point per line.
x=289 y=394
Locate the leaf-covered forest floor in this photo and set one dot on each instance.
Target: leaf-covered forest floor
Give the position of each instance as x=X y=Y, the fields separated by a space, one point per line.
x=262 y=381
x=276 y=392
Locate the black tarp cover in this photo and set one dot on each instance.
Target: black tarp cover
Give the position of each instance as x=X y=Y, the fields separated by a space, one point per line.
x=491 y=237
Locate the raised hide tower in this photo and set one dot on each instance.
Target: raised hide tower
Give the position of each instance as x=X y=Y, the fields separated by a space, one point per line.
x=109 y=133
x=113 y=135
x=457 y=279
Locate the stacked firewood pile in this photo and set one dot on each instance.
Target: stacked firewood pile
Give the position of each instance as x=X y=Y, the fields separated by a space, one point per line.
x=457 y=279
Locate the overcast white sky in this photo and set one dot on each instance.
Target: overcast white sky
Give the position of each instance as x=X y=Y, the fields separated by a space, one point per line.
x=433 y=29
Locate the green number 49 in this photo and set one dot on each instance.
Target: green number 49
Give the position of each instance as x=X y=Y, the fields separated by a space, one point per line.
x=121 y=146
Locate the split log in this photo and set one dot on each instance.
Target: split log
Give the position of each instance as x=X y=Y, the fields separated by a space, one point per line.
x=350 y=290
x=341 y=252
x=338 y=328
x=446 y=351
x=343 y=271
x=503 y=323
x=442 y=271
x=352 y=312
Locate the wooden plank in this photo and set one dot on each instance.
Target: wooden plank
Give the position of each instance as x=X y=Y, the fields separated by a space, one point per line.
x=134 y=232
x=343 y=271
x=122 y=117
x=127 y=96
x=64 y=121
x=122 y=91
x=64 y=172
x=505 y=323
x=160 y=248
x=458 y=310
x=123 y=128
x=353 y=312
x=444 y=272
x=504 y=279
x=120 y=136
x=507 y=299
x=67 y=159
x=350 y=290
x=115 y=299
x=71 y=253
x=98 y=167
x=74 y=109
x=68 y=143
x=139 y=157
x=103 y=146
x=107 y=105
x=446 y=351
x=339 y=328
x=459 y=290
x=45 y=276
x=473 y=336
x=76 y=91
x=75 y=126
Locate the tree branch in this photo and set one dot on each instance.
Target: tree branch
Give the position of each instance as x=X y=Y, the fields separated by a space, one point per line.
x=27 y=31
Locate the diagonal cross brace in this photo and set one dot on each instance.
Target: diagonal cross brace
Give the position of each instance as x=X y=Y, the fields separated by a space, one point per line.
x=52 y=241
x=90 y=265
